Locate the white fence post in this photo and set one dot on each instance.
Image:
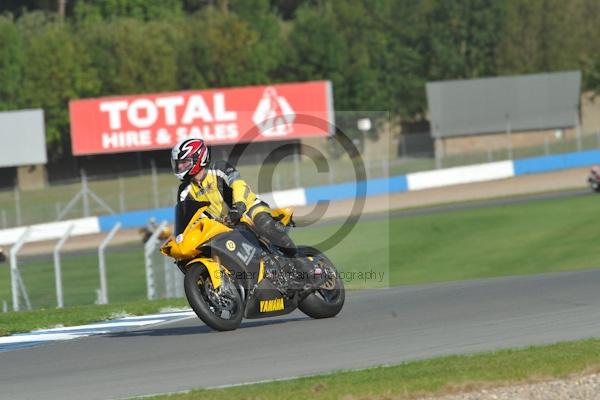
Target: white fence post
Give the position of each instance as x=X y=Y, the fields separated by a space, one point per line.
x=149 y=248
x=16 y=282
x=57 y=267
x=103 y=298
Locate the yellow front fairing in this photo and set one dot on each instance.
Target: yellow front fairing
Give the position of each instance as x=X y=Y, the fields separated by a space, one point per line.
x=199 y=230
x=185 y=246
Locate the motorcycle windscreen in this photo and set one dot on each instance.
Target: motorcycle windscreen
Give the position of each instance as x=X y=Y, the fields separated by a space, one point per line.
x=184 y=212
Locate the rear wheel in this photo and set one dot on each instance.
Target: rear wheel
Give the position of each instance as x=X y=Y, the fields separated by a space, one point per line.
x=327 y=301
x=221 y=309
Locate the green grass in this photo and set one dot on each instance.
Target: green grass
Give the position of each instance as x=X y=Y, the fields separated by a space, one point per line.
x=509 y=240
x=530 y=238
x=25 y=321
x=435 y=376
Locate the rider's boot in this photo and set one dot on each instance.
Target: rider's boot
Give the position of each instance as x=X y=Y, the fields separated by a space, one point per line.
x=308 y=273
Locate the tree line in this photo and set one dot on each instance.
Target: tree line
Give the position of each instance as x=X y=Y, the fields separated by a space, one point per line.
x=378 y=53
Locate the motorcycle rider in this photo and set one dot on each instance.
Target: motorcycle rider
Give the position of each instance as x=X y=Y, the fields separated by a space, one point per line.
x=594 y=178
x=230 y=198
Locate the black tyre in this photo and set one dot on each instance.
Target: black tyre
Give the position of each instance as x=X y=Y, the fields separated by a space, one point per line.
x=220 y=309
x=328 y=300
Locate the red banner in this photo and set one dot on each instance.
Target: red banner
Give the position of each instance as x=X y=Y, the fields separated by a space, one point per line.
x=219 y=116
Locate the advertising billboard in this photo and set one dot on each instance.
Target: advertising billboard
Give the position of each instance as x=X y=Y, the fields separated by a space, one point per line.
x=516 y=103
x=23 y=136
x=219 y=116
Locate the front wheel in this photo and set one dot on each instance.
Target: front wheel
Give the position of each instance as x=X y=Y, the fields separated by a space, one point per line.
x=327 y=301
x=221 y=309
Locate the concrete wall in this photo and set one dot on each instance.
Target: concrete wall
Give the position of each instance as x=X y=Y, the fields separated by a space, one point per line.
x=500 y=141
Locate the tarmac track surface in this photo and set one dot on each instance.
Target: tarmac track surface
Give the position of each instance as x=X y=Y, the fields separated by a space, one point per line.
x=376 y=327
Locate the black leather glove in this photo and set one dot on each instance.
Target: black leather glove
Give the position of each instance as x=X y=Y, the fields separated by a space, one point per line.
x=236 y=212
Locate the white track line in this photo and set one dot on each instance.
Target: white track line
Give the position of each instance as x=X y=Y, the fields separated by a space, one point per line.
x=73 y=332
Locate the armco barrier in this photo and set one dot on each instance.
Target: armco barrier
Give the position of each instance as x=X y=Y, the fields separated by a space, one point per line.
x=343 y=191
x=312 y=195
x=52 y=230
x=136 y=219
x=554 y=163
x=460 y=175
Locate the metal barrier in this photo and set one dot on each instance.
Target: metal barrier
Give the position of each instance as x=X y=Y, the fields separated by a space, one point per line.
x=17 y=285
x=57 y=267
x=67 y=274
x=103 y=293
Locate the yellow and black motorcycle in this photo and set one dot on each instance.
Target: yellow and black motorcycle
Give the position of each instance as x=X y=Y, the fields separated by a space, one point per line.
x=232 y=273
